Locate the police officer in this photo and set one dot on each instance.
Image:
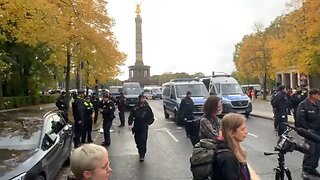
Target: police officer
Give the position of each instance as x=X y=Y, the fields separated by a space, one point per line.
x=107 y=110
x=280 y=104
x=141 y=116
x=186 y=109
x=87 y=118
x=77 y=109
x=121 y=103
x=96 y=103
x=308 y=116
x=62 y=104
x=295 y=99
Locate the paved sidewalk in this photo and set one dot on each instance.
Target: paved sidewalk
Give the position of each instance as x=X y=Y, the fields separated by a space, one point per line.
x=263 y=109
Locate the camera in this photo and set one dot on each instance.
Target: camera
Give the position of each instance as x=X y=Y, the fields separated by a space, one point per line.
x=287 y=144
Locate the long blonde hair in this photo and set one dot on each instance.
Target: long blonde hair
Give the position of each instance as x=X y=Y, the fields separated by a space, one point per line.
x=230 y=123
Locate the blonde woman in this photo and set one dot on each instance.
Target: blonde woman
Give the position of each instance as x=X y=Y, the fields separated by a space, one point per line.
x=90 y=162
x=231 y=163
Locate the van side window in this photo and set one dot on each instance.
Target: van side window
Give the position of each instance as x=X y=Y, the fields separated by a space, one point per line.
x=172 y=91
x=166 y=91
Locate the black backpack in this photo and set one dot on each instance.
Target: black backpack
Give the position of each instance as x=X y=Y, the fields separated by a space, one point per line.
x=202 y=158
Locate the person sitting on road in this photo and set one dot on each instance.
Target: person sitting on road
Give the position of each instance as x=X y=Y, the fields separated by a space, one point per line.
x=90 y=161
x=209 y=123
x=232 y=162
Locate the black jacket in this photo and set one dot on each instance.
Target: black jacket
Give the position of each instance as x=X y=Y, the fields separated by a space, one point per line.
x=108 y=109
x=296 y=98
x=141 y=115
x=186 y=108
x=95 y=102
x=280 y=102
x=227 y=167
x=78 y=109
x=62 y=103
x=121 y=103
x=308 y=116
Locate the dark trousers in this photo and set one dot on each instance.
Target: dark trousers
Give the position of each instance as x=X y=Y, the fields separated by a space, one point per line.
x=96 y=114
x=141 y=136
x=310 y=161
x=77 y=134
x=87 y=129
x=279 y=119
x=107 y=123
x=194 y=132
x=122 y=117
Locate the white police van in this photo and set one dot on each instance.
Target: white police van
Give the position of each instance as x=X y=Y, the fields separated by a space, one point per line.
x=131 y=91
x=175 y=90
x=230 y=92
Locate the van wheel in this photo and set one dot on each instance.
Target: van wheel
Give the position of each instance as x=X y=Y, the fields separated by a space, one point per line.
x=166 y=115
x=247 y=115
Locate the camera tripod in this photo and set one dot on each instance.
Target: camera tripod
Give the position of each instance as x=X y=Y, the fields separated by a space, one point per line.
x=280 y=170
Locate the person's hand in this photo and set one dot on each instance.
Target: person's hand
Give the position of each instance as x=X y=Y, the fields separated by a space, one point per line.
x=130 y=127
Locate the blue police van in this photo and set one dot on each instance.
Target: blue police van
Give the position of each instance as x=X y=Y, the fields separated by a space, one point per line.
x=230 y=92
x=175 y=90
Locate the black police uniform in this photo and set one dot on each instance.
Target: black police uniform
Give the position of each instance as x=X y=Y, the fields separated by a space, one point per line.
x=141 y=115
x=108 y=109
x=186 y=109
x=121 y=103
x=280 y=105
x=87 y=125
x=96 y=103
x=62 y=104
x=308 y=116
x=77 y=109
x=295 y=100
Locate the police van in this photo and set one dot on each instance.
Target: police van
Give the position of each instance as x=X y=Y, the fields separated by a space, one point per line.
x=175 y=90
x=230 y=92
x=152 y=92
x=131 y=91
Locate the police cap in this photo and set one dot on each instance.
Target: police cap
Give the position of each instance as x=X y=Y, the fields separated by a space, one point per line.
x=141 y=96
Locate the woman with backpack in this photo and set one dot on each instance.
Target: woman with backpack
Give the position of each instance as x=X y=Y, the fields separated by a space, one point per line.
x=231 y=161
x=209 y=123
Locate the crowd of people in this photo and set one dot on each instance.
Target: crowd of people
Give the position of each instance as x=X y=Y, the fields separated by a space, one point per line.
x=228 y=132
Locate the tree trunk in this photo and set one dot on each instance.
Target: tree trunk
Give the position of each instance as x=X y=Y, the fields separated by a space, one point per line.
x=96 y=88
x=1 y=96
x=68 y=75
x=265 y=85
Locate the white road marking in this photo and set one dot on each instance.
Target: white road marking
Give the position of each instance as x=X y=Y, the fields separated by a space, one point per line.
x=253 y=135
x=171 y=135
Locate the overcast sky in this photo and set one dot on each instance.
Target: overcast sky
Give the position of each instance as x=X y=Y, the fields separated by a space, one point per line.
x=189 y=35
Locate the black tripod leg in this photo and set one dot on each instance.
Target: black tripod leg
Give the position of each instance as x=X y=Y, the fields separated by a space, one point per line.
x=277 y=171
x=288 y=173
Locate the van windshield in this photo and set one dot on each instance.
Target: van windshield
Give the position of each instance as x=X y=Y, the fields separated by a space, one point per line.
x=131 y=90
x=197 y=90
x=156 y=90
x=231 y=89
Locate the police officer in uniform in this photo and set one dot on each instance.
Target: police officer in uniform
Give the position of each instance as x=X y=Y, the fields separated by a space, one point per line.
x=295 y=99
x=78 y=109
x=87 y=125
x=62 y=104
x=308 y=116
x=96 y=103
x=107 y=110
x=141 y=116
x=280 y=104
x=186 y=109
x=121 y=103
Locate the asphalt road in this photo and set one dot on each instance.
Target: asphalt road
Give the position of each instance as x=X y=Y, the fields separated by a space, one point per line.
x=168 y=151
